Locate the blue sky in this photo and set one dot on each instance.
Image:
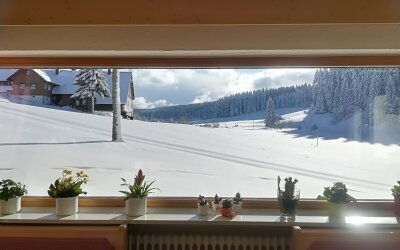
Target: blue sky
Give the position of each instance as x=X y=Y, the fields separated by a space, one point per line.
x=162 y=87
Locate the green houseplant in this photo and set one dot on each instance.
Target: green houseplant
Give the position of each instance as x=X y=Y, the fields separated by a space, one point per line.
x=10 y=196
x=288 y=197
x=396 y=195
x=337 y=198
x=202 y=206
x=66 y=190
x=136 y=196
x=237 y=203
x=216 y=204
x=226 y=208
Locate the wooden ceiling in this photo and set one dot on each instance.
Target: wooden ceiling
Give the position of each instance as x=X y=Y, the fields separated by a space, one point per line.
x=192 y=33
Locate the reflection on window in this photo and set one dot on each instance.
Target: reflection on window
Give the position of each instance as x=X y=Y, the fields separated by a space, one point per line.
x=206 y=131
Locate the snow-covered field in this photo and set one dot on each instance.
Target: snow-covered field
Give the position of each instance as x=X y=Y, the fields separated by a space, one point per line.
x=188 y=160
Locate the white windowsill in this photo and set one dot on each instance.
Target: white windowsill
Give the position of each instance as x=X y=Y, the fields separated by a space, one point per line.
x=264 y=217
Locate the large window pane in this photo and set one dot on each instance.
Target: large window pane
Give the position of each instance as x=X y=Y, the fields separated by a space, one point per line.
x=206 y=131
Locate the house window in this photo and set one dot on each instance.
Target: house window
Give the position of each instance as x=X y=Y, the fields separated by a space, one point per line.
x=33 y=85
x=49 y=87
x=242 y=128
x=22 y=85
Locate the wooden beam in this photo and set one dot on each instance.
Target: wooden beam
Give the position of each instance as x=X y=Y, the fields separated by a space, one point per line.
x=182 y=12
x=200 y=62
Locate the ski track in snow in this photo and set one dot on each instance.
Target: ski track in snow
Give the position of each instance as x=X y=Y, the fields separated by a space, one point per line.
x=36 y=143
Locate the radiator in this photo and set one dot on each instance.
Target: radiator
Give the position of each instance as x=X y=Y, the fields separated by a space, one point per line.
x=185 y=241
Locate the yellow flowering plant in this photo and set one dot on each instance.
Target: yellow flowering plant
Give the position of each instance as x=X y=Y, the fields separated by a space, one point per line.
x=68 y=185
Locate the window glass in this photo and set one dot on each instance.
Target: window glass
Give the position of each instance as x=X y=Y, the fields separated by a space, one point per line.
x=208 y=131
x=22 y=85
x=33 y=85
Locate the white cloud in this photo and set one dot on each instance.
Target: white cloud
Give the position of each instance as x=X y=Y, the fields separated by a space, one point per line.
x=142 y=103
x=205 y=97
x=182 y=86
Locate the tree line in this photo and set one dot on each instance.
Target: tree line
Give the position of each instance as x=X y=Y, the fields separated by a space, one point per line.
x=233 y=105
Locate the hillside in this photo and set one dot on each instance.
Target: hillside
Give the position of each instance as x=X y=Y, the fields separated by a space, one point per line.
x=186 y=160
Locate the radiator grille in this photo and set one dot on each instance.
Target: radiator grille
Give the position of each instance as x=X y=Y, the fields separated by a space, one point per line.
x=185 y=241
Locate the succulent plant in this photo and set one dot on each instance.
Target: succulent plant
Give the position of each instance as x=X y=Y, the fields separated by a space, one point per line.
x=290 y=184
x=237 y=199
x=202 y=200
x=396 y=190
x=217 y=199
x=226 y=203
x=337 y=193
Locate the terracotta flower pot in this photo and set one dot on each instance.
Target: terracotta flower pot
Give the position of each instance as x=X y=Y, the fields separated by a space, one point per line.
x=397 y=206
x=226 y=212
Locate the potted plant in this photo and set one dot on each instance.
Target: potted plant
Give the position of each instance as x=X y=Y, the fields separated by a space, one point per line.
x=216 y=204
x=288 y=197
x=136 y=197
x=396 y=195
x=10 y=196
x=202 y=206
x=337 y=198
x=66 y=190
x=237 y=203
x=226 y=208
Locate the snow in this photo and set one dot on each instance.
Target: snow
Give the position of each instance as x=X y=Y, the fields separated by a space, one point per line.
x=187 y=160
x=43 y=75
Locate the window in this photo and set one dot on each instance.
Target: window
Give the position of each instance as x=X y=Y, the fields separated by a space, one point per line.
x=84 y=102
x=207 y=131
x=33 y=85
x=22 y=85
x=49 y=87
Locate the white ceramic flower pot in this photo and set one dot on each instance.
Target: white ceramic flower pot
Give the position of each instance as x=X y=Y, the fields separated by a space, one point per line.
x=202 y=210
x=216 y=206
x=66 y=206
x=337 y=210
x=136 y=206
x=11 y=206
x=237 y=207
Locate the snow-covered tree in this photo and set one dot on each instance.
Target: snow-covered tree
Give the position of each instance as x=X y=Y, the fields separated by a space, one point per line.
x=270 y=118
x=91 y=82
x=392 y=95
x=116 y=104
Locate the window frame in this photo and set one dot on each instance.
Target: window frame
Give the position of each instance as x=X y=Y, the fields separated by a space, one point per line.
x=204 y=62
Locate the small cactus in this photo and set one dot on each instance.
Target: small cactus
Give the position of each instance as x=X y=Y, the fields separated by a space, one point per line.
x=289 y=187
x=237 y=199
x=217 y=199
x=202 y=200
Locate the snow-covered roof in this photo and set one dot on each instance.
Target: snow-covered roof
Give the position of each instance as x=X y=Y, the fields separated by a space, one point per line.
x=6 y=73
x=65 y=80
x=43 y=75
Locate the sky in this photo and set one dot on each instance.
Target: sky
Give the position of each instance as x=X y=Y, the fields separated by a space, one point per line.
x=165 y=87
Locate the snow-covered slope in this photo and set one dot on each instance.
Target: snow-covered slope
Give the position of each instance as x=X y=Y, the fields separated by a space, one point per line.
x=37 y=142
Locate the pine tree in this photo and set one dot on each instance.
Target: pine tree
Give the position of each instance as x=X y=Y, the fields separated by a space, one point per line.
x=270 y=118
x=91 y=82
